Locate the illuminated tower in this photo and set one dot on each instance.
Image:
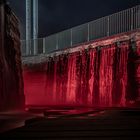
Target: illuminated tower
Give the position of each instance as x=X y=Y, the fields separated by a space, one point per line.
x=31 y=26
x=28 y=26
x=35 y=25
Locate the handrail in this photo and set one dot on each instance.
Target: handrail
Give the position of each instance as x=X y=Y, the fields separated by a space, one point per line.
x=123 y=21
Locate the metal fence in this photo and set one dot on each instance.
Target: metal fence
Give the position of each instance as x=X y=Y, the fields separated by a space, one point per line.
x=124 y=21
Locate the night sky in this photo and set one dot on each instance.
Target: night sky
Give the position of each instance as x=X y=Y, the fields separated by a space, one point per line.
x=58 y=15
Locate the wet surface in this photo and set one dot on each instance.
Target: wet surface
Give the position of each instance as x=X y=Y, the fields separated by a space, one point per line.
x=80 y=123
x=14 y=119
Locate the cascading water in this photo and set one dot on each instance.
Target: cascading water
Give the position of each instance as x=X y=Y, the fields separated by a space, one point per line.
x=106 y=75
x=97 y=77
x=137 y=68
x=71 y=84
x=120 y=75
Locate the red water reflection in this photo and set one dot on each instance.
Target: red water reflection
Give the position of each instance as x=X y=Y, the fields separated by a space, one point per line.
x=106 y=76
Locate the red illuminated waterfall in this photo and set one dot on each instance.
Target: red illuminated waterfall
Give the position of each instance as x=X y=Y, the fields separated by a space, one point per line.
x=106 y=73
x=104 y=76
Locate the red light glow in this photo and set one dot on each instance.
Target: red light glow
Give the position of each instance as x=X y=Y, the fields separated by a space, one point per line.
x=97 y=77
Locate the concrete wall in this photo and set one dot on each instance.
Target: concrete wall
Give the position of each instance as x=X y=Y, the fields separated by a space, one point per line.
x=104 y=73
x=11 y=81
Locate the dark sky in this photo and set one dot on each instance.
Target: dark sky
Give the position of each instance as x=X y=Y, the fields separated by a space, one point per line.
x=57 y=15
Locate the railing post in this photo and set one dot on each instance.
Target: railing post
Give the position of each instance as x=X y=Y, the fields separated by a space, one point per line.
x=71 y=42
x=108 y=22
x=35 y=46
x=57 y=47
x=44 y=45
x=132 y=19
x=28 y=47
x=88 y=33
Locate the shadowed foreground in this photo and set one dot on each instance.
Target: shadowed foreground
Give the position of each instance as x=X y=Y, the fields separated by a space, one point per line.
x=80 y=124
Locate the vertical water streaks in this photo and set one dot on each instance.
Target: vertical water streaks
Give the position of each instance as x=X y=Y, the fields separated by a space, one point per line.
x=61 y=78
x=104 y=76
x=94 y=70
x=49 y=85
x=120 y=74
x=131 y=73
x=138 y=70
x=82 y=77
x=71 y=85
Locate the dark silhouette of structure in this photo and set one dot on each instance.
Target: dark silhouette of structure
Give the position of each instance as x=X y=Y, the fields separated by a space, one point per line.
x=11 y=81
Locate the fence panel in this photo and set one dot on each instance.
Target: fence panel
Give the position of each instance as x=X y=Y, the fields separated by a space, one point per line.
x=50 y=43
x=98 y=28
x=124 y=21
x=80 y=34
x=64 y=39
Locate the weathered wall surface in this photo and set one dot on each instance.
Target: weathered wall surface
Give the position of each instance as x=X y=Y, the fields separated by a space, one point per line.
x=106 y=75
x=11 y=81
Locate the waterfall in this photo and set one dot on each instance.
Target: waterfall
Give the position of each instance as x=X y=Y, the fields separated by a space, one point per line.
x=100 y=76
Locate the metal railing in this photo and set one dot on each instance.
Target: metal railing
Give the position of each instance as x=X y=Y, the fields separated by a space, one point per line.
x=124 y=21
